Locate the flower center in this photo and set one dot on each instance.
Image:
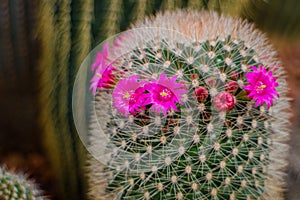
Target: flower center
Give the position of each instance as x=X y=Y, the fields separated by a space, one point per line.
x=165 y=94
x=126 y=95
x=260 y=87
x=99 y=75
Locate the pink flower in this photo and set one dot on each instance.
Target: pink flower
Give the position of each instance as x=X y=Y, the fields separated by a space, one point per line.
x=138 y=100
x=129 y=95
x=164 y=93
x=103 y=76
x=201 y=93
x=100 y=58
x=224 y=101
x=262 y=86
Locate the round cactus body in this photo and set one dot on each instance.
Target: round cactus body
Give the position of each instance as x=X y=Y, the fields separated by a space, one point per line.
x=194 y=108
x=17 y=187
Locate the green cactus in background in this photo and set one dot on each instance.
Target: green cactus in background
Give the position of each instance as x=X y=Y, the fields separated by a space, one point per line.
x=263 y=13
x=219 y=142
x=17 y=29
x=16 y=187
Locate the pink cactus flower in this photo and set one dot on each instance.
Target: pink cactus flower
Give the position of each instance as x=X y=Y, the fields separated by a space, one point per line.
x=262 y=86
x=103 y=76
x=165 y=93
x=224 y=101
x=100 y=58
x=201 y=93
x=129 y=95
x=138 y=100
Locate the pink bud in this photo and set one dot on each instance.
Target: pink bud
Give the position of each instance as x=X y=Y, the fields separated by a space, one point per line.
x=234 y=75
x=211 y=81
x=194 y=76
x=201 y=93
x=224 y=101
x=231 y=86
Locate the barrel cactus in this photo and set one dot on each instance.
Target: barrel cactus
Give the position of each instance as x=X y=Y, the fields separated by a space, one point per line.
x=195 y=108
x=16 y=187
x=67 y=30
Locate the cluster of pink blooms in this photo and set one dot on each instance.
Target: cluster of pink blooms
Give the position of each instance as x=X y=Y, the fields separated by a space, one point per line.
x=103 y=76
x=161 y=95
x=261 y=88
x=132 y=96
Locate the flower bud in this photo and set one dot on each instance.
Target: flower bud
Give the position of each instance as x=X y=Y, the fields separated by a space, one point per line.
x=201 y=93
x=231 y=86
x=224 y=101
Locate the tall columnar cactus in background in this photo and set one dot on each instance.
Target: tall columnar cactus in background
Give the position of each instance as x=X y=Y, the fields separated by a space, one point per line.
x=16 y=186
x=263 y=13
x=195 y=108
x=67 y=31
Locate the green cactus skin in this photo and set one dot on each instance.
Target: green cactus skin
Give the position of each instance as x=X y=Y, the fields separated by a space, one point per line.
x=17 y=187
x=203 y=153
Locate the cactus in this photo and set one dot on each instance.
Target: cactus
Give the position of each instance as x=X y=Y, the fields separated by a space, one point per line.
x=67 y=31
x=262 y=13
x=16 y=186
x=217 y=137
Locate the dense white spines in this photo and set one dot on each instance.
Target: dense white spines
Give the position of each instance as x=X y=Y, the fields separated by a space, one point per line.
x=200 y=152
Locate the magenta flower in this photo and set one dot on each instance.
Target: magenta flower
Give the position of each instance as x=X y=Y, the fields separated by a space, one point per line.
x=129 y=95
x=164 y=93
x=100 y=58
x=103 y=76
x=262 y=86
x=138 y=100
x=224 y=101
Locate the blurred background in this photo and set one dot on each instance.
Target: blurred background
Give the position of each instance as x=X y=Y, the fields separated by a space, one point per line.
x=42 y=44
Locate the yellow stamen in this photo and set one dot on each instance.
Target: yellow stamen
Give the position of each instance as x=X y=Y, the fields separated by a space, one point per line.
x=99 y=75
x=262 y=87
x=126 y=95
x=163 y=94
